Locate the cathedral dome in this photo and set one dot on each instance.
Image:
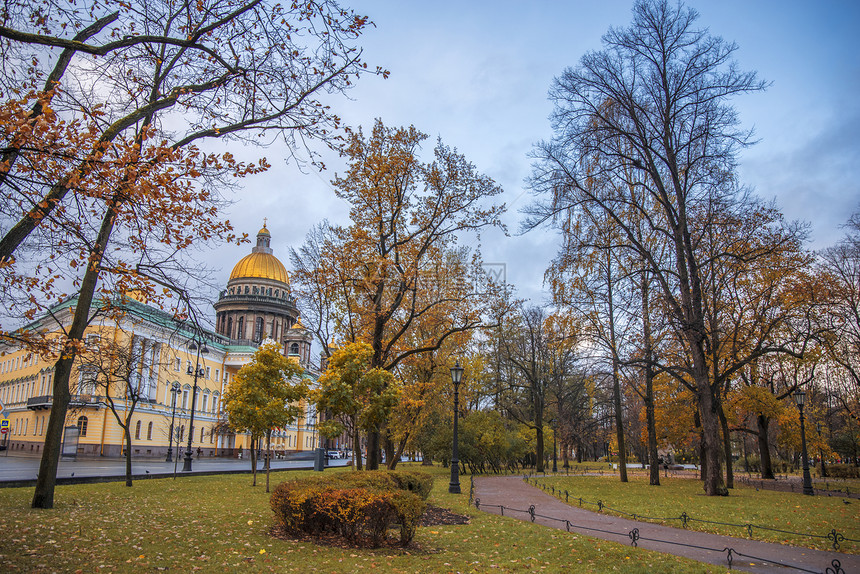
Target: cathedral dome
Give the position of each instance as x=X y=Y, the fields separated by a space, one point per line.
x=260 y=263
x=260 y=266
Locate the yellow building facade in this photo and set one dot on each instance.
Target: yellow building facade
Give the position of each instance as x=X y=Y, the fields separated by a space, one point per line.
x=146 y=353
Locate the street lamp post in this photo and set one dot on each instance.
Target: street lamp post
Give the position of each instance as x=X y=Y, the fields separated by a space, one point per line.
x=456 y=377
x=198 y=371
x=799 y=398
x=819 y=426
x=175 y=389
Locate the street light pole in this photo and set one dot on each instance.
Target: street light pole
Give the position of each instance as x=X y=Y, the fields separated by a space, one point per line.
x=201 y=348
x=799 y=398
x=175 y=389
x=456 y=377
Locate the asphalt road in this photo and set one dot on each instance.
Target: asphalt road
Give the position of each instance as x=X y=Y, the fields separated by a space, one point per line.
x=21 y=470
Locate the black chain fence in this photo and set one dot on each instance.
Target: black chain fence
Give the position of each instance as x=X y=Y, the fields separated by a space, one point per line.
x=634 y=535
x=834 y=536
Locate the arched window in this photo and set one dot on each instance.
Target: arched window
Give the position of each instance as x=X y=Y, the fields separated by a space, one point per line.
x=269 y=291
x=240 y=330
x=137 y=431
x=258 y=329
x=294 y=348
x=247 y=289
x=82 y=426
x=149 y=431
x=230 y=327
x=255 y=291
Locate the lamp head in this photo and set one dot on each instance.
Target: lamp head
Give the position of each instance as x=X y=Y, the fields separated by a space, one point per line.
x=457 y=373
x=799 y=397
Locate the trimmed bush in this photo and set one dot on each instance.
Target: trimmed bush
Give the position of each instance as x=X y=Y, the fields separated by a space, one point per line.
x=360 y=507
x=843 y=471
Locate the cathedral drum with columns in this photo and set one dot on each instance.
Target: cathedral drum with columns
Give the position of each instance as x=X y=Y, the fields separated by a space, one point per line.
x=257 y=303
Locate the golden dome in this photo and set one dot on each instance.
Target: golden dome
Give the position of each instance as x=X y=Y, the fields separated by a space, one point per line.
x=264 y=231
x=260 y=266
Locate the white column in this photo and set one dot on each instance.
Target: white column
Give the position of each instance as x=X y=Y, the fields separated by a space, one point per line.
x=154 y=366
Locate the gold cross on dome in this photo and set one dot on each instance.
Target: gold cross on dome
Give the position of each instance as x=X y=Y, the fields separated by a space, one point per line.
x=264 y=221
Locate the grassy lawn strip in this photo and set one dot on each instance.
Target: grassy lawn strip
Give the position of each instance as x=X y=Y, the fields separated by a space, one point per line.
x=794 y=512
x=221 y=524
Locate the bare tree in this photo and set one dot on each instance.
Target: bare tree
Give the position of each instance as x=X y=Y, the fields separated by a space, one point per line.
x=651 y=111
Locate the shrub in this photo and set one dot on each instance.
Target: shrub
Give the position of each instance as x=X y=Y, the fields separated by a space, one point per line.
x=843 y=471
x=358 y=506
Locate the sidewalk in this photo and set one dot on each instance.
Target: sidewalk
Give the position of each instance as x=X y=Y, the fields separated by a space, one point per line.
x=21 y=470
x=748 y=555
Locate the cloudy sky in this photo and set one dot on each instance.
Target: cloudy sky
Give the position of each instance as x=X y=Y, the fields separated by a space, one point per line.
x=476 y=73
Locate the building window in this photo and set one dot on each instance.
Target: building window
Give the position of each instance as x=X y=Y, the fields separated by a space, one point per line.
x=82 y=426
x=247 y=289
x=202 y=430
x=230 y=327
x=217 y=375
x=205 y=402
x=185 y=399
x=240 y=330
x=258 y=329
x=149 y=431
x=177 y=366
x=207 y=373
x=137 y=431
x=269 y=291
x=294 y=348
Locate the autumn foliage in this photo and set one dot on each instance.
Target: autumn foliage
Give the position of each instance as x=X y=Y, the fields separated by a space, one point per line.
x=359 y=507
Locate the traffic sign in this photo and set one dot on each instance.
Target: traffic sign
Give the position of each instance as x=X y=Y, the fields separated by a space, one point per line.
x=4 y=423
x=4 y=430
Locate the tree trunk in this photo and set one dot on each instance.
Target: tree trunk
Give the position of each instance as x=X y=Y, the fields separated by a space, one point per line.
x=650 y=418
x=390 y=452
x=727 y=447
x=711 y=472
x=373 y=450
x=356 y=448
x=565 y=455
x=762 y=423
x=43 y=497
x=539 y=455
x=268 y=457
x=127 y=432
x=616 y=382
x=253 y=461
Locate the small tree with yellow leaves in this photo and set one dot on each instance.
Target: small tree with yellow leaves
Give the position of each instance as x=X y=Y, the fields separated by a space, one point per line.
x=265 y=395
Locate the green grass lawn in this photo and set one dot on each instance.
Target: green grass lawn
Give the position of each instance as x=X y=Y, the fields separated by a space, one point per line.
x=222 y=524
x=793 y=512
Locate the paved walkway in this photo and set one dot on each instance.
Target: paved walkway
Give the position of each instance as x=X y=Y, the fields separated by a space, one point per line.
x=749 y=555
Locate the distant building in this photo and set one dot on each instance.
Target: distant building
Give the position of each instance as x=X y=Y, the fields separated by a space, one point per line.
x=256 y=305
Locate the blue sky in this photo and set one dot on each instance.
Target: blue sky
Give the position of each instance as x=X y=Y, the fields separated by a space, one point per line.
x=477 y=74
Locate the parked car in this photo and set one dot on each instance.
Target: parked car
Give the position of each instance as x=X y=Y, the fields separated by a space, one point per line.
x=333 y=454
